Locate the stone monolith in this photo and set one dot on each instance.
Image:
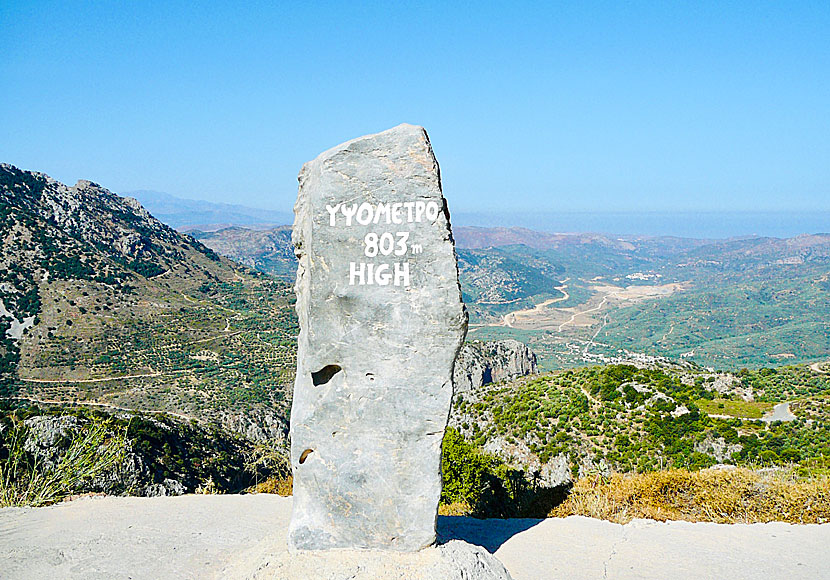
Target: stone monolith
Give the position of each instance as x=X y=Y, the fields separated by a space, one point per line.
x=381 y=323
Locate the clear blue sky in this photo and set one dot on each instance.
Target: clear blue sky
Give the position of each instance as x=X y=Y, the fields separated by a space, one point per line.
x=553 y=106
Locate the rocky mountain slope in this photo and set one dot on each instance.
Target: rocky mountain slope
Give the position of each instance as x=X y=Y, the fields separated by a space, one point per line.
x=481 y=363
x=269 y=250
x=104 y=304
x=651 y=416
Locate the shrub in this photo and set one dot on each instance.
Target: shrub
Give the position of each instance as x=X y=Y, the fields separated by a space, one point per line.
x=26 y=481
x=283 y=486
x=479 y=484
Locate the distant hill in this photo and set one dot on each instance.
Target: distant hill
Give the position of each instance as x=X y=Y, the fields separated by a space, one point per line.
x=183 y=214
x=269 y=250
x=102 y=303
x=472 y=237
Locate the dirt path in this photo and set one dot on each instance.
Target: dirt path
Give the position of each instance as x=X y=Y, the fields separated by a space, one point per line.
x=198 y=537
x=593 y=338
x=157 y=276
x=510 y=318
x=228 y=335
x=100 y=380
x=594 y=309
x=816 y=368
x=206 y=304
x=97 y=404
x=591 y=398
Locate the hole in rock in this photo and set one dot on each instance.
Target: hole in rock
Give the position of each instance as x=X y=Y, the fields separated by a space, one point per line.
x=487 y=376
x=325 y=374
x=304 y=455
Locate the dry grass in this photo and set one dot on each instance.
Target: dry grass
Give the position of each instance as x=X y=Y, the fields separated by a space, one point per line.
x=723 y=496
x=455 y=509
x=26 y=481
x=283 y=486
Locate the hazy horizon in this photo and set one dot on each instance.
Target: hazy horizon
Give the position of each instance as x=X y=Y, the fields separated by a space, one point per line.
x=687 y=224
x=683 y=224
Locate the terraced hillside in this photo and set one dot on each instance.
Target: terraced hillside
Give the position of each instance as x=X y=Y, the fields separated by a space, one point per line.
x=104 y=304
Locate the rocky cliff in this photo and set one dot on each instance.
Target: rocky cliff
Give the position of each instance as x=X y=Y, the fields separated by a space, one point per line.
x=481 y=363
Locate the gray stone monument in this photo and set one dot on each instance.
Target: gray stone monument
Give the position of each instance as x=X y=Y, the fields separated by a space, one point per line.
x=381 y=323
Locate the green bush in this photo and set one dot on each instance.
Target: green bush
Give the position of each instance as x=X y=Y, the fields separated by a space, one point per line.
x=487 y=485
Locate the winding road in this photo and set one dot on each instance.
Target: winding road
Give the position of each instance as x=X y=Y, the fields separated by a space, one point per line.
x=510 y=318
x=780 y=412
x=594 y=309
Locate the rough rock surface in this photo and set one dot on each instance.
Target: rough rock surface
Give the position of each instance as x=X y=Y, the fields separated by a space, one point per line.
x=481 y=363
x=454 y=560
x=717 y=447
x=49 y=437
x=381 y=323
x=517 y=453
x=260 y=425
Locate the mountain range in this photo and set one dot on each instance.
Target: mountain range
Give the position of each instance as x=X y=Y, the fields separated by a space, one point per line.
x=594 y=298
x=104 y=306
x=184 y=214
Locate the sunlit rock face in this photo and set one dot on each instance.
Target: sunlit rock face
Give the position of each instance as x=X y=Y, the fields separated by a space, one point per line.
x=481 y=363
x=381 y=324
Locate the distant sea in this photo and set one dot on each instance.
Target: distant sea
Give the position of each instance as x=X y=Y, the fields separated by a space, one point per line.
x=703 y=225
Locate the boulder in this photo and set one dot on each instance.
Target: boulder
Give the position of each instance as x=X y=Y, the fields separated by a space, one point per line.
x=381 y=323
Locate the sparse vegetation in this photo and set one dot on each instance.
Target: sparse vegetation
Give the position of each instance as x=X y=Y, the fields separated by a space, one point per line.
x=283 y=486
x=27 y=480
x=725 y=496
x=480 y=484
x=740 y=409
x=643 y=419
x=161 y=455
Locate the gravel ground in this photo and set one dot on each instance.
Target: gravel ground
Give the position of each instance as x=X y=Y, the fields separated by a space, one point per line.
x=198 y=536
